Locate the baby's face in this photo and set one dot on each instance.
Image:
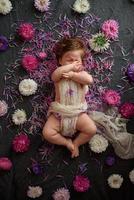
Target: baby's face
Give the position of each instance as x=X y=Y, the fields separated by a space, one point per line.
x=71 y=56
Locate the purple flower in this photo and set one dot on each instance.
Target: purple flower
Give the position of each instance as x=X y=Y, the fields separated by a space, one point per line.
x=110 y=160
x=36 y=168
x=3 y=43
x=130 y=72
x=81 y=183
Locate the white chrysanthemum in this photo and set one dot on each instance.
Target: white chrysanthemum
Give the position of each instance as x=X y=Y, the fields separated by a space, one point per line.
x=19 y=117
x=42 y=5
x=5 y=6
x=98 y=143
x=34 y=191
x=27 y=87
x=99 y=42
x=61 y=193
x=115 y=181
x=131 y=176
x=81 y=6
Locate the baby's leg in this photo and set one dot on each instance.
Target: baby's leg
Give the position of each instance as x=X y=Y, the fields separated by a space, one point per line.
x=51 y=133
x=87 y=129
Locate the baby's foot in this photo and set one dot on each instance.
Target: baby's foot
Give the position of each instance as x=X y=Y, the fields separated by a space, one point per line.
x=70 y=145
x=75 y=152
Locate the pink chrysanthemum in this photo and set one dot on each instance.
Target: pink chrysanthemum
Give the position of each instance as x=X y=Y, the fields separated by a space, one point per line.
x=111 y=97
x=61 y=194
x=111 y=29
x=81 y=184
x=127 y=110
x=26 y=31
x=30 y=62
x=42 y=5
x=3 y=108
x=42 y=55
x=21 y=143
x=5 y=163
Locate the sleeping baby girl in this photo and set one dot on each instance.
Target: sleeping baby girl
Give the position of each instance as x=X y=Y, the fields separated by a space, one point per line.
x=67 y=114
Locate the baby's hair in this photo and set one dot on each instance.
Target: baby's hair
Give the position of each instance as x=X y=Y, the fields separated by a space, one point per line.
x=69 y=44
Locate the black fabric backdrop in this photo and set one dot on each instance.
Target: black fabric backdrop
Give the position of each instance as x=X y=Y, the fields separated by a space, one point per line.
x=13 y=184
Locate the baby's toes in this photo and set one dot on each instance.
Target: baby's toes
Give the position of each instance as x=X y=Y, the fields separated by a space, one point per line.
x=75 y=153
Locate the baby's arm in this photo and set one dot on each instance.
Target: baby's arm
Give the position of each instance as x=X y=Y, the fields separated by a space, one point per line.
x=81 y=77
x=58 y=73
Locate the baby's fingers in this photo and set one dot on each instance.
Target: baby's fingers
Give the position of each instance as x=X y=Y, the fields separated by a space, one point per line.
x=78 y=67
x=65 y=75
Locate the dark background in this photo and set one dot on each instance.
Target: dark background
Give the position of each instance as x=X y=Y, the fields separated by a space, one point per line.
x=13 y=184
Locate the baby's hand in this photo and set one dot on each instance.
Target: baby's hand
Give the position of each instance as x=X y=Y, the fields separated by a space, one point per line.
x=68 y=75
x=77 y=66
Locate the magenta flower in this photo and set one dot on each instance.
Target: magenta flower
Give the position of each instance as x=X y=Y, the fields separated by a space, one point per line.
x=127 y=110
x=21 y=143
x=3 y=43
x=3 y=108
x=5 y=164
x=42 y=55
x=61 y=194
x=81 y=183
x=30 y=62
x=111 y=29
x=111 y=97
x=26 y=31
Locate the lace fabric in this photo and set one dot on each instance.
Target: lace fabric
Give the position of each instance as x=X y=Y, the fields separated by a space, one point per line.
x=70 y=106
